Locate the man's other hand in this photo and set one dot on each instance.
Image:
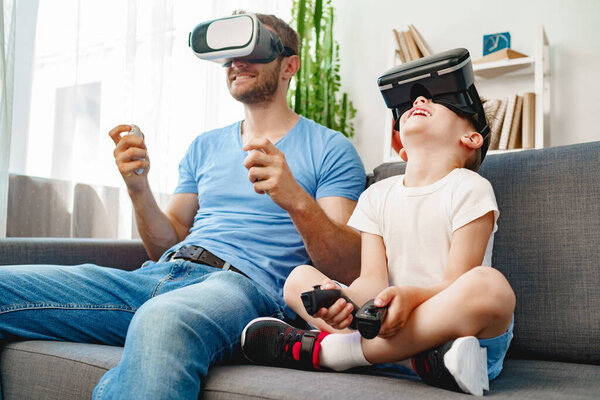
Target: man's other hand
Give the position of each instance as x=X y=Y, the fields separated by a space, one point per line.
x=270 y=174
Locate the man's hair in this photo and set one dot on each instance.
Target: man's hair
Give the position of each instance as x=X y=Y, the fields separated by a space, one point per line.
x=289 y=37
x=475 y=161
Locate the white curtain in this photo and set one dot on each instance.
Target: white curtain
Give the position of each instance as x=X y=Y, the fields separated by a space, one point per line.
x=84 y=66
x=7 y=55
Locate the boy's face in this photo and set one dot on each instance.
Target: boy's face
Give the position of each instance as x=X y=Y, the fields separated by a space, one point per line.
x=432 y=125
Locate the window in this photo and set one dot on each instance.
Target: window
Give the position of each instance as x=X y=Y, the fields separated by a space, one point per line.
x=87 y=66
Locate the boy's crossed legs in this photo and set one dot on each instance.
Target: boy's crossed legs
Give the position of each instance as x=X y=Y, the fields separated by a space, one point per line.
x=477 y=305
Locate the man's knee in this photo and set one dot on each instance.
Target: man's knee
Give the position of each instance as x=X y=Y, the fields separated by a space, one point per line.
x=158 y=317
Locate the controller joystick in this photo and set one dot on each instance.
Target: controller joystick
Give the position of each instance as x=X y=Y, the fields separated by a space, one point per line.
x=135 y=131
x=317 y=298
x=369 y=319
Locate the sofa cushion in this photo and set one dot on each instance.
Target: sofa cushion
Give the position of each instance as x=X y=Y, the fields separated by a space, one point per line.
x=547 y=246
x=68 y=371
x=521 y=379
x=124 y=254
x=34 y=370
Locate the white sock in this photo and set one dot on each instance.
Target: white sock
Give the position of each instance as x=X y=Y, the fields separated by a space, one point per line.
x=342 y=351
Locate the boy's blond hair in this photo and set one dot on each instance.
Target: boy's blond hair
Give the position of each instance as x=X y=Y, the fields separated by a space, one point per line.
x=474 y=162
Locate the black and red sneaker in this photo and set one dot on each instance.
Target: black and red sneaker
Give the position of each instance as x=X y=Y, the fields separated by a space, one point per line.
x=459 y=365
x=270 y=341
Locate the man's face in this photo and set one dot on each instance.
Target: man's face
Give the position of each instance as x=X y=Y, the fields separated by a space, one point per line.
x=251 y=83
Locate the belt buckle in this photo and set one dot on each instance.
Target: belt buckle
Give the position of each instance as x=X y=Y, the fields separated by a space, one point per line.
x=194 y=252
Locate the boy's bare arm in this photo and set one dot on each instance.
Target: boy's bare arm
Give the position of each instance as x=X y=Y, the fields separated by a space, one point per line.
x=373 y=273
x=468 y=246
x=467 y=250
x=372 y=280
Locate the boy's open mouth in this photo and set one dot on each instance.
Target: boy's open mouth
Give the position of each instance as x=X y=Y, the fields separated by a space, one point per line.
x=420 y=111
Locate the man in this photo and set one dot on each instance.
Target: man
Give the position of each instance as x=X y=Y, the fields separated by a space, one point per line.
x=243 y=215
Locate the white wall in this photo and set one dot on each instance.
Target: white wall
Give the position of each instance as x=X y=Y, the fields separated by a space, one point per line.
x=364 y=32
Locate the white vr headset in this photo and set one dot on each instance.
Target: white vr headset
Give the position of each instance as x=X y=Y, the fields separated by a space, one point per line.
x=240 y=36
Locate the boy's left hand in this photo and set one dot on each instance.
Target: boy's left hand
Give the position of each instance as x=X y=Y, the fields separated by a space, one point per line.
x=398 y=300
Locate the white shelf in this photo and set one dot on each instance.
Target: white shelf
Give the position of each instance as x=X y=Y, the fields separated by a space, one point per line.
x=496 y=69
x=528 y=72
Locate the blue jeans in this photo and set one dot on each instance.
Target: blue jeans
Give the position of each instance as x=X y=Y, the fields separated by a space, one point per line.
x=175 y=319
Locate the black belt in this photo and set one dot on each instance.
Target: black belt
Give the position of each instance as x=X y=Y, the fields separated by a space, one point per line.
x=200 y=255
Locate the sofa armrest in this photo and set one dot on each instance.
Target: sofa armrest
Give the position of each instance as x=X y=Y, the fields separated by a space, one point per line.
x=124 y=254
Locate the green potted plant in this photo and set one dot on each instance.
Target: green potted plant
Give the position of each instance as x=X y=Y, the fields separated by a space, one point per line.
x=316 y=92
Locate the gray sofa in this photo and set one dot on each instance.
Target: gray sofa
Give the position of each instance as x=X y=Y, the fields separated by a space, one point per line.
x=547 y=246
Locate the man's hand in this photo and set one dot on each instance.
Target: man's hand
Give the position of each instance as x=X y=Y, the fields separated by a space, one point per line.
x=398 y=299
x=130 y=155
x=339 y=315
x=269 y=173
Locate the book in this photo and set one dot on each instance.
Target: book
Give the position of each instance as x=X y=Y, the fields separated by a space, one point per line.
x=491 y=109
x=399 y=50
x=412 y=46
x=421 y=44
x=528 y=121
x=514 y=140
x=404 y=46
x=496 y=124
x=504 y=54
x=400 y=56
x=507 y=123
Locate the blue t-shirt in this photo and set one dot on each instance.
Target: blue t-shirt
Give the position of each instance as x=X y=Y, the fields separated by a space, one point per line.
x=247 y=229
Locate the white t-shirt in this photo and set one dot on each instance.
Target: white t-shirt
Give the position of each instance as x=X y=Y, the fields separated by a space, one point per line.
x=417 y=223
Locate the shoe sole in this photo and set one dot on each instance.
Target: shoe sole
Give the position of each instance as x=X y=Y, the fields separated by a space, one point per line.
x=467 y=362
x=243 y=338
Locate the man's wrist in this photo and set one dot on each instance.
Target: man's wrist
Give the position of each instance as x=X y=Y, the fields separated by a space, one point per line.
x=136 y=191
x=302 y=204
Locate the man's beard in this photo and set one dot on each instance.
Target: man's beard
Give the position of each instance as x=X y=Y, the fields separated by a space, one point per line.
x=263 y=90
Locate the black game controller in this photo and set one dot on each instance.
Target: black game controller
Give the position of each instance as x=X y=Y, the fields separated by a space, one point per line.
x=369 y=319
x=317 y=298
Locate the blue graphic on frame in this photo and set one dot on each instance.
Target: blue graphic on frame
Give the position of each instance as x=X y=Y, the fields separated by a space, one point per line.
x=495 y=42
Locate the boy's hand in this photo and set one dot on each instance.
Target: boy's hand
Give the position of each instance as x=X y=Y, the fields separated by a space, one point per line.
x=399 y=303
x=339 y=315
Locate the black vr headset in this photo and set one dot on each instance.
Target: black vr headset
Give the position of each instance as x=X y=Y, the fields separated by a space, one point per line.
x=240 y=36
x=445 y=78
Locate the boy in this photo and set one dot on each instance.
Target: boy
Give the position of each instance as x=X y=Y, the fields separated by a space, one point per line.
x=427 y=241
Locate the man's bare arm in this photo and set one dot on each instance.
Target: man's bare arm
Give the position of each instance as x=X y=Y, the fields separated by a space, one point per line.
x=159 y=230
x=334 y=248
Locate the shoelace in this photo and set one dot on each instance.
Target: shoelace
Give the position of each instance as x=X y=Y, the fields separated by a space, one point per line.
x=286 y=345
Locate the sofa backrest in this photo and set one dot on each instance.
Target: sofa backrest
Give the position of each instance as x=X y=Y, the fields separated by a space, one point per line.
x=548 y=246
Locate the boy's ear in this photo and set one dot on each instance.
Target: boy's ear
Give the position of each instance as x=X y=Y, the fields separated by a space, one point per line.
x=472 y=140
x=403 y=154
